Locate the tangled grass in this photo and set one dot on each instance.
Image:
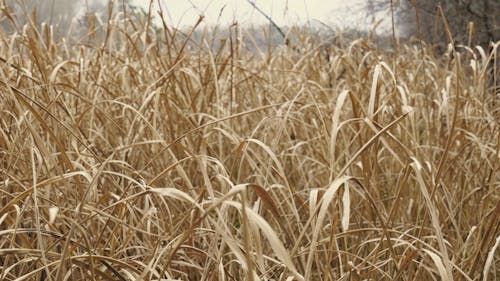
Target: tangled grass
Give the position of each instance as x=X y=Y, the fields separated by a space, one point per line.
x=155 y=157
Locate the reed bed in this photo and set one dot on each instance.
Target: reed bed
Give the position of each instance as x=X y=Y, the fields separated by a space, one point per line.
x=135 y=155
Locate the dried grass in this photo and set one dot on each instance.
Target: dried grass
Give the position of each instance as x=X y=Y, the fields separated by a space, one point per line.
x=155 y=157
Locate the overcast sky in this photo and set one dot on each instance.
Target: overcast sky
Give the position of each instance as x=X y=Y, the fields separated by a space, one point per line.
x=336 y=13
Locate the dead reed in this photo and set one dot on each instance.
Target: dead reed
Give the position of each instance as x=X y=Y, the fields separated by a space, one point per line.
x=134 y=155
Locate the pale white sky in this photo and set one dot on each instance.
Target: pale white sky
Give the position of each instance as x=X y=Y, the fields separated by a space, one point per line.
x=336 y=13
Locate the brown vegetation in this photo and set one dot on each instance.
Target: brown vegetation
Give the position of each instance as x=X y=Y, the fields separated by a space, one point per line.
x=139 y=157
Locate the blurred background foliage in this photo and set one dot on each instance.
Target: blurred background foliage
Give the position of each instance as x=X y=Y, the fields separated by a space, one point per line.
x=471 y=22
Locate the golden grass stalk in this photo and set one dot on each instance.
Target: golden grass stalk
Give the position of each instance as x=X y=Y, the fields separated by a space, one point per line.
x=145 y=153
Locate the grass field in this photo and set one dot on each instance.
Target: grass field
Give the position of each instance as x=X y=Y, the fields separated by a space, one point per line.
x=134 y=156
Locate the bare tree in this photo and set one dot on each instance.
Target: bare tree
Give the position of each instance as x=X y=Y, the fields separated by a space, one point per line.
x=58 y=13
x=474 y=22
x=75 y=17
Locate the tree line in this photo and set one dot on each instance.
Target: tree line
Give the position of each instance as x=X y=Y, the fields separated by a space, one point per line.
x=467 y=22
